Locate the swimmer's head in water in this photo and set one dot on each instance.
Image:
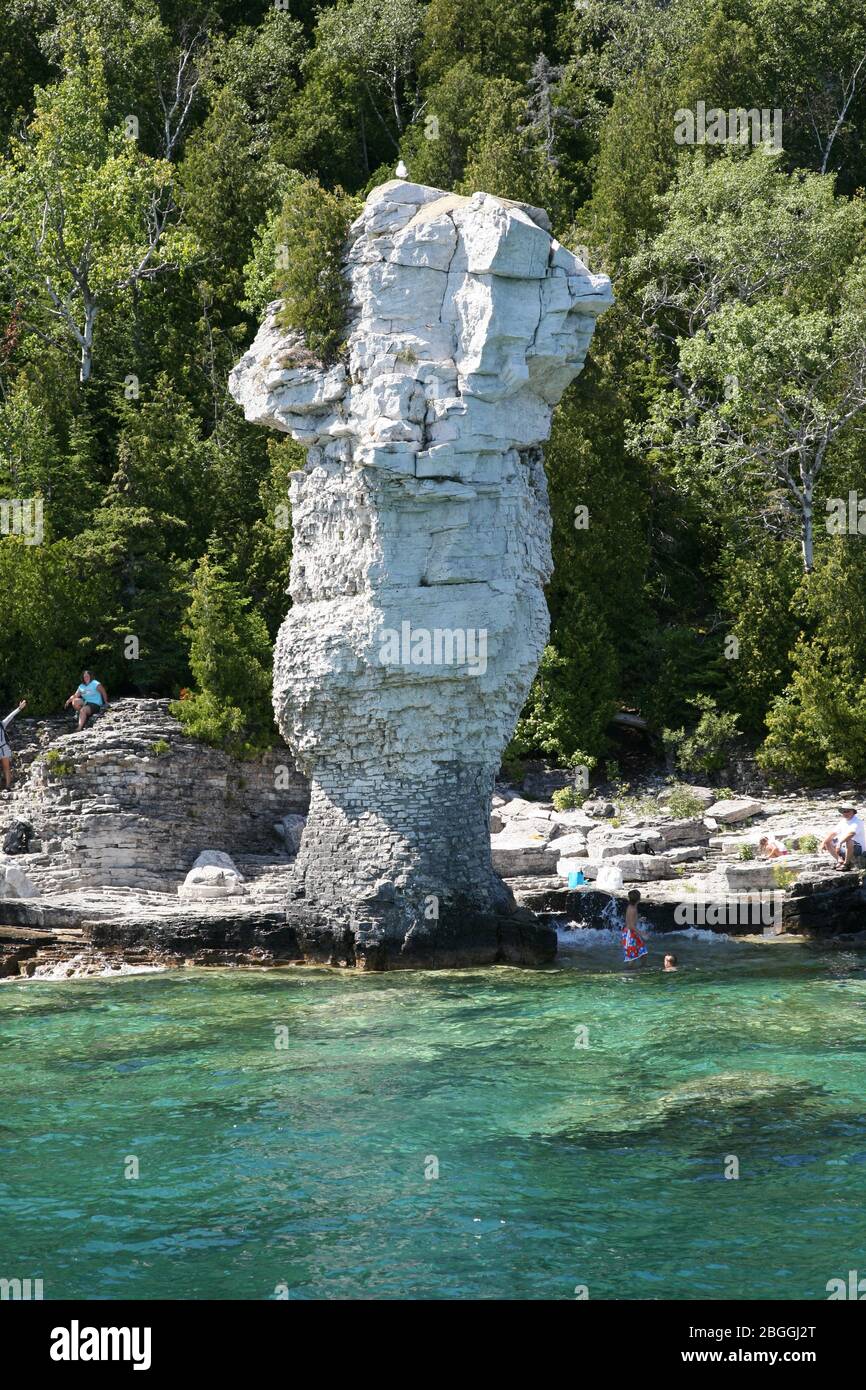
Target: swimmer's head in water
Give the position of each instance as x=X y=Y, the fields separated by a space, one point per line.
x=670 y=961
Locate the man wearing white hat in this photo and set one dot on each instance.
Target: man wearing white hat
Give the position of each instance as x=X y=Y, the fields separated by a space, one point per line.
x=848 y=839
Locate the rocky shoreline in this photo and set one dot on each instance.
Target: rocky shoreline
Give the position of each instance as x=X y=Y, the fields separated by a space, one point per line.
x=703 y=870
x=152 y=851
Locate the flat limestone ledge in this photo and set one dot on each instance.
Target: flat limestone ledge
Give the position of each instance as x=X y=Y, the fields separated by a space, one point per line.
x=461 y=936
x=221 y=935
x=239 y=931
x=305 y=935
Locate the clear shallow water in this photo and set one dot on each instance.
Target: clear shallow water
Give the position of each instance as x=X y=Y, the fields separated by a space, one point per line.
x=558 y=1165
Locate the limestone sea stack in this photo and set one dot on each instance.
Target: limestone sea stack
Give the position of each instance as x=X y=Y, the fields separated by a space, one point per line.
x=421 y=546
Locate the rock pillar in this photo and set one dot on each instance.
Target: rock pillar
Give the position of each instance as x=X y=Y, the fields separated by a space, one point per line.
x=421 y=548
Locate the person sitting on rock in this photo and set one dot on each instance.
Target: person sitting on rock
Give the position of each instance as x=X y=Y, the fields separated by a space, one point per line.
x=5 y=748
x=90 y=697
x=771 y=848
x=848 y=840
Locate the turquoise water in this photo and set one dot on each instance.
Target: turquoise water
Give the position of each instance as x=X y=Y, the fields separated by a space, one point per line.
x=559 y=1165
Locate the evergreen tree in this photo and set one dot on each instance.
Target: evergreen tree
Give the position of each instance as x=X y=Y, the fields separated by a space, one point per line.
x=230 y=659
x=166 y=172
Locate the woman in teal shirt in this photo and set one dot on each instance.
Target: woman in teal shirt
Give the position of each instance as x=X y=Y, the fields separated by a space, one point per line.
x=90 y=696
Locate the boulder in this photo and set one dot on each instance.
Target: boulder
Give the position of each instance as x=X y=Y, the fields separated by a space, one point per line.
x=613 y=849
x=761 y=873
x=16 y=884
x=631 y=868
x=517 y=852
x=569 y=863
x=606 y=841
x=683 y=832
x=526 y=818
x=289 y=830
x=642 y=868
x=534 y=825
x=730 y=845
x=599 y=808
x=215 y=858
x=542 y=784
x=573 y=845
x=213 y=875
x=734 y=809
x=574 y=820
x=652 y=842
x=686 y=854
x=520 y=809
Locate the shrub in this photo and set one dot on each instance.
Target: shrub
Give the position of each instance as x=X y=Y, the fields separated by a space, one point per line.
x=757 y=585
x=309 y=237
x=817 y=727
x=677 y=666
x=159 y=747
x=571 y=698
x=51 y=626
x=621 y=790
x=683 y=805
x=708 y=746
x=646 y=806
x=569 y=798
x=747 y=852
x=783 y=878
x=808 y=844
x=57 y=765
x=512 y=770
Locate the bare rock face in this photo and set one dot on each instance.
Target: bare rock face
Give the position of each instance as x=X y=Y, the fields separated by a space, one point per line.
x=421 y=548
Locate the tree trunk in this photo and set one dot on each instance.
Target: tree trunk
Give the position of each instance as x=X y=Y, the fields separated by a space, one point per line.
x=87 y=345
x=808 y=532
x=363 y=133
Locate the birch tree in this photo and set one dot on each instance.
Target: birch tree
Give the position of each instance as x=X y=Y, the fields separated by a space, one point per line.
x=772 y=391
x=85 y=217
x=378 y=40
x=755 y=296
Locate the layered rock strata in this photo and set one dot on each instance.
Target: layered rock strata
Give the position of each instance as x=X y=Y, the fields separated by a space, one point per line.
x=134 y=800
x=421 y=546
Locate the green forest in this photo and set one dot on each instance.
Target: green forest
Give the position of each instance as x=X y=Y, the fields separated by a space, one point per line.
x=707 y=470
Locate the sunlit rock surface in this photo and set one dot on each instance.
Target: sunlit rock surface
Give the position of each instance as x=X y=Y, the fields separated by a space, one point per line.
x=421 y=546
